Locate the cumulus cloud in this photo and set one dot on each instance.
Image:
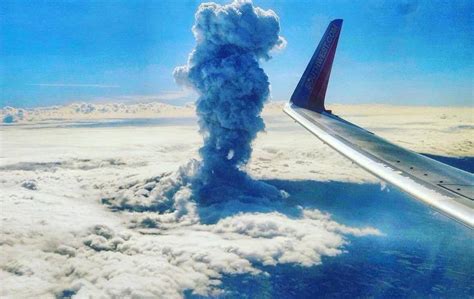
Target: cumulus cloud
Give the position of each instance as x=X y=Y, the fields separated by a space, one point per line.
x=167 y=260
x=205 y=242
x=148 y=237
x=224 y=69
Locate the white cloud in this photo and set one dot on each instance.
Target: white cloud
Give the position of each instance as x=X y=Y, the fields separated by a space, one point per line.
x=133 y=107
x=59 y=237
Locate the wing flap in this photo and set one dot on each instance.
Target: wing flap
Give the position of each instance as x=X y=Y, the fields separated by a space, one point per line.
x=466 y=191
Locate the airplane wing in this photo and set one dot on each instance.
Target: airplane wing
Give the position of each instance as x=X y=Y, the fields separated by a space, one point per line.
x=445 y=188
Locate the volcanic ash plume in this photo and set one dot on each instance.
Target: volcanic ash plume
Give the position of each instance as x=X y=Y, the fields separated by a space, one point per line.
x=224 y=69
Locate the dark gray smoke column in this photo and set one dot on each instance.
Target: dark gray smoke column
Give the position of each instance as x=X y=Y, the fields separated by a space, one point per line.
x=224 y=69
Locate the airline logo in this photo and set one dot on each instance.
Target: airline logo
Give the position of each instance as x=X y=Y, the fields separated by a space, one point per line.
x=321 y=58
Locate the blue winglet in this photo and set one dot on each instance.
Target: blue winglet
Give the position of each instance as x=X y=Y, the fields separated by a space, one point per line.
x=311 y=89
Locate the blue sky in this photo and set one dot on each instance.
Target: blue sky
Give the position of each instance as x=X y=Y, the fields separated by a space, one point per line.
x=396 y=52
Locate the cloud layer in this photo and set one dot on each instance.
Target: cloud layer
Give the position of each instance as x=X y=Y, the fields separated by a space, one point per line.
x=88 y=217
x=58 y=237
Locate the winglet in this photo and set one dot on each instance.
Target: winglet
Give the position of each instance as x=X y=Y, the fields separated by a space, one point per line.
x=311 y=90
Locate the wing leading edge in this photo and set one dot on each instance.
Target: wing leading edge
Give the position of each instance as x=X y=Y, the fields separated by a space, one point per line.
x=448 y=189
